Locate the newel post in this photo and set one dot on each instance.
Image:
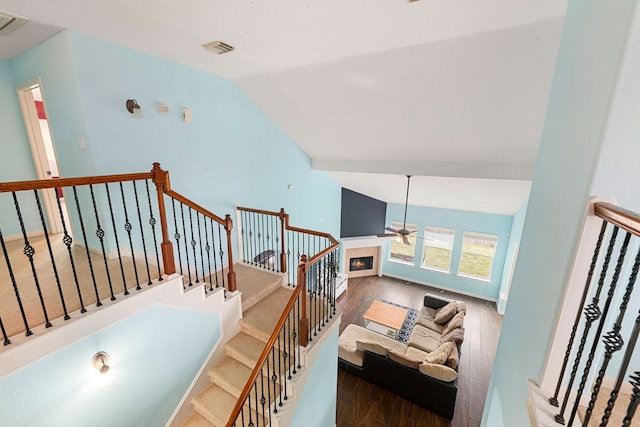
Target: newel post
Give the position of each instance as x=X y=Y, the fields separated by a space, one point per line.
x=228 y=226
x=161 y=180
x=284 y=220
x=304 y=316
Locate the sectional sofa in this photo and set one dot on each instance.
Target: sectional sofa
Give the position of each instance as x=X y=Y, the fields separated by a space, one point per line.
x=424 y=370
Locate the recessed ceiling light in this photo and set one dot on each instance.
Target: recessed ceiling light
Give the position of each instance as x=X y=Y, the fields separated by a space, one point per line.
x=218 y=47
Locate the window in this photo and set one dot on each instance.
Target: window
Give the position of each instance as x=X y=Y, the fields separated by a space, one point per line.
x=438 y=245
x=478 y=251
x=398 y=250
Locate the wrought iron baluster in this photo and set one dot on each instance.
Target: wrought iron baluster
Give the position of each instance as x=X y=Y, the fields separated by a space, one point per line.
x=29 y=251
x=283 y=375
x=177 y=236
x=274 y=378
x=613 y=342
x=605 y=311
x=67 y=240
x=53 y=260
x=186 y=245
x=221 y=252
x=115 y=234
x=100 y=235
x=128 y=227
x=208 y=250
x=193 y=246
x=6 y=339
x=86 y=246
x=268 y=390
x=261 y=241
x=213 y=247
x=252 y=233
x=15 y=286
x=204 y=276
x=144 y=244
x=635 y=399
x=592 y=313
x=152 y=223
x=298 y=321
x=243 y=235
x=263 y=400
x=287 y=341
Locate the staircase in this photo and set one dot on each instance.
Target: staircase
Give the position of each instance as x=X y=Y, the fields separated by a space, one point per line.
x=214 y=404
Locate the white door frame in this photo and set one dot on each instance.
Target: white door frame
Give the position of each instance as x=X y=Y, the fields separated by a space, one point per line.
x=36 y=142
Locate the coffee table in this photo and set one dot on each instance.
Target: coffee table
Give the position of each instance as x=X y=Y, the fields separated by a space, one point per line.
x=385 y=319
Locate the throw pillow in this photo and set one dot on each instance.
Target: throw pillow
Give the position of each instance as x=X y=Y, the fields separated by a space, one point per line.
x=455 y=322
x=456 y=336
x=404 y=359
x=461 y=308
x=445 y=313
x=441 y=353
x=439 y=372
x=416 y=353
x=454 y=358
x=372 y=346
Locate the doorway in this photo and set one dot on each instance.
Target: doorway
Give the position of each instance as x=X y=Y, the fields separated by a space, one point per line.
x=34 y=112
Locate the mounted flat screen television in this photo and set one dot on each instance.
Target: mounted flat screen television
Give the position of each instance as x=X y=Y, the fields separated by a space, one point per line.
x=361 y=215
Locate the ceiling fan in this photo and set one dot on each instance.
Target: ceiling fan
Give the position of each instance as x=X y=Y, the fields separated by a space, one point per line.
x=403 y=233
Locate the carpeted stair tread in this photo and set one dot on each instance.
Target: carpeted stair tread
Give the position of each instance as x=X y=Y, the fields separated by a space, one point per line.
x=255 y=284
x=245 y=349
x=196 y=420
x=231 y=375
x=214 y=404
x=619 y=408
x=260 y=320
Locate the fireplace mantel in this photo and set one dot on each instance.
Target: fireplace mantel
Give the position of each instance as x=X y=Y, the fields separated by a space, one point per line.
x=361 y=246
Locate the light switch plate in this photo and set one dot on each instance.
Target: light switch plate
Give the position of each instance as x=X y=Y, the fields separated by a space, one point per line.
x=163 y=109
x=186 y=115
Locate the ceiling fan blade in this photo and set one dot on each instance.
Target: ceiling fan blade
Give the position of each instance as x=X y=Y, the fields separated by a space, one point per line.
x=387 y=235
x=393 y=230
x=406 y=240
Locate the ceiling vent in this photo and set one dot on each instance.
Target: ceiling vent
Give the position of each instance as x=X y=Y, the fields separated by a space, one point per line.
x=8 y=23
x=218 y=47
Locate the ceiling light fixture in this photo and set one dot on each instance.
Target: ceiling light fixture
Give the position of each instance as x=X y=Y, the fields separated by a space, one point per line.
x=100 y=361
x=134 y=108
x=218 y=47
x=8 y=23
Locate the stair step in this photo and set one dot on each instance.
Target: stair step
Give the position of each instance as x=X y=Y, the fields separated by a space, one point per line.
x=256 y=283
x=196 y=420
x=245 y=349
x=231 y=375
x=260 y=320
x=215 y=405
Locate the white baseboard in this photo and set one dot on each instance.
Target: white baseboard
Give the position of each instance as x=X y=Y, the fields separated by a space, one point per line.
x=433 y=285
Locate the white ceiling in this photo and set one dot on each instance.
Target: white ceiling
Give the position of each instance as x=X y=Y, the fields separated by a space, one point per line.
x=434 y=88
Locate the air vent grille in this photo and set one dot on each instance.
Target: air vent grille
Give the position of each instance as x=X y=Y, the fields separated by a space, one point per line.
x=8 y=23
x=218 y=47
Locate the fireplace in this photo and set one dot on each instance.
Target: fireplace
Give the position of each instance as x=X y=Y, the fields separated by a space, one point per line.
x=361 y=256
x=361 y=263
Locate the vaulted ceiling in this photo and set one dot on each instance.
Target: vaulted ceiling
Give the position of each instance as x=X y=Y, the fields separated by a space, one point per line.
x=453 y=92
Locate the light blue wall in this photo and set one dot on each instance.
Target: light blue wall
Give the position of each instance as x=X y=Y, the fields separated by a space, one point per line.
x=232 y=154
x=460 y=221
x=590 y=51
x=16 y=163
x=514 y=242
x=151 y=372
x=317 y=404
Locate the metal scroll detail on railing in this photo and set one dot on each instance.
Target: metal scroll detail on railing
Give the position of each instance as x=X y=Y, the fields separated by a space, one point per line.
x=74 y=242
x=309 y=309
x=614 y=220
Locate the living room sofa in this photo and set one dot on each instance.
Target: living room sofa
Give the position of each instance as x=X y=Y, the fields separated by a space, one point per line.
x=424 y=370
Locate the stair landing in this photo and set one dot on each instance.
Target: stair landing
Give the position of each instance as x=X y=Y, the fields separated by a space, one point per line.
x=256 y=283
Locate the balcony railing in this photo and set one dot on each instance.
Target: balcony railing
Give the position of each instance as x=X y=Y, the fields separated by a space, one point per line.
x=610 y=270
x=71 y=243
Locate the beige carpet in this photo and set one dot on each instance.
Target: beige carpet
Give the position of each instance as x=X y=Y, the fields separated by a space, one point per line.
x=21 y=267
x=619 y=408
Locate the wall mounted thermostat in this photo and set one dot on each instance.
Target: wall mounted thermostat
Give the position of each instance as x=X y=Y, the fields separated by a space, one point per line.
x=186 y=115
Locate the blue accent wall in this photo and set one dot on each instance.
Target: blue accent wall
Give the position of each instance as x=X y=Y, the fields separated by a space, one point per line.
x=509 y=260
x=149 y=367
x=460 y=221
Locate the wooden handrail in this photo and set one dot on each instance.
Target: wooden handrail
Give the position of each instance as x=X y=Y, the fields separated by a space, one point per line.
x=267 y=349
x=179 y=197
x=623 y=218
x=6 y=187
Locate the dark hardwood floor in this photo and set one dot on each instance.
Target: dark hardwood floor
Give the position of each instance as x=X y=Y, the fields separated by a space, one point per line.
x=363 y=404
